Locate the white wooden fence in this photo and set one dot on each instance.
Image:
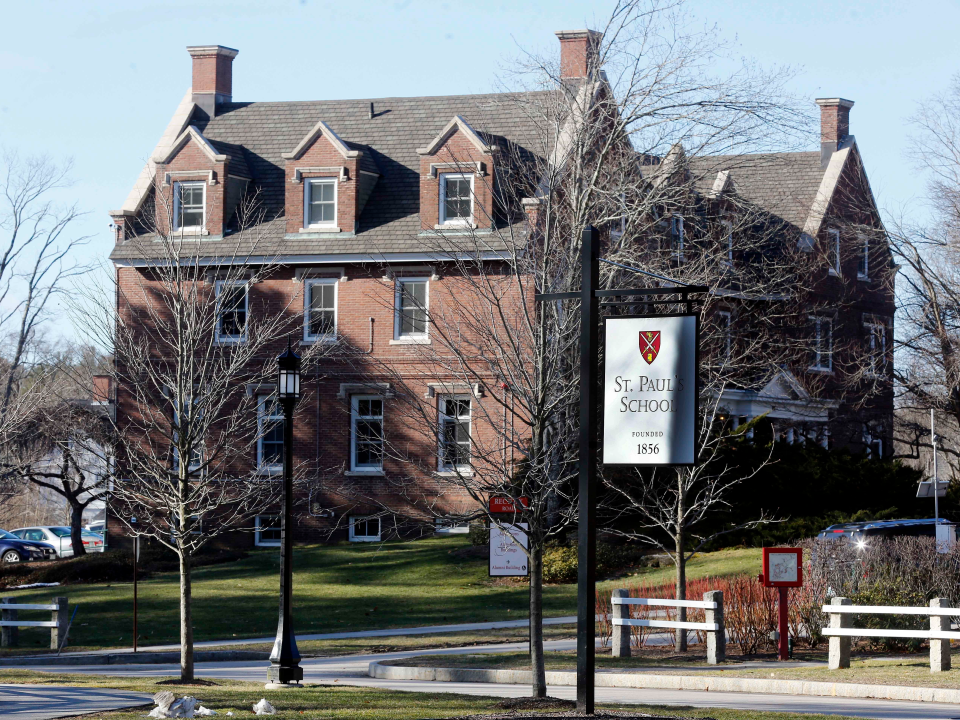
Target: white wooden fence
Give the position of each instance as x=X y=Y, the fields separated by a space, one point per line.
x=712 y=605
x=840 y=632
x=10 y=621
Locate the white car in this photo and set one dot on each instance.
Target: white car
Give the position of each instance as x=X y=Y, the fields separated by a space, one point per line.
x=59 y=537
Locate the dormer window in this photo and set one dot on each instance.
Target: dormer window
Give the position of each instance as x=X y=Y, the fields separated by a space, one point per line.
x=188 y=206
x=456 y=199
x=320 y=202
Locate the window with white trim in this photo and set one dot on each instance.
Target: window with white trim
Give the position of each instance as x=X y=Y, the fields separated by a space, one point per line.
x=187 y=425
x=365 y=529
x=320 y=202
x=863 y=258
x=876 y=332
x=677 y=237
x=873 y=440
x=412 y=298
x=270 y=426
x=456 y=199
x=267 y=531
x=320 y=309
x=833 y=250
x=726 y=337
x=454 y=411
x=189 y=205
x=822 y=349
x=366 y=433
x=232 y=301
x=727 y=230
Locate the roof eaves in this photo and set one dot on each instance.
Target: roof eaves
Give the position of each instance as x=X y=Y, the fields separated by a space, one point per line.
x=321 y=128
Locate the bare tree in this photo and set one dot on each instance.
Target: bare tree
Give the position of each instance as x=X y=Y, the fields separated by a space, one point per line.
x=195 y=348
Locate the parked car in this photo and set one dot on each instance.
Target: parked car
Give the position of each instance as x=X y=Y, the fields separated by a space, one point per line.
x=59 y=537
x=100 y=528
x=14 y=549
x=861 y=532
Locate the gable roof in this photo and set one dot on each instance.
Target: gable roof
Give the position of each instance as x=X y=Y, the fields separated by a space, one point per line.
x=389 y=222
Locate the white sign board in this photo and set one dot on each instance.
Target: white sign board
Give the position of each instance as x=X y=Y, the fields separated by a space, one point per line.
x=783 y=567
x=650 y=390
x=507 y=545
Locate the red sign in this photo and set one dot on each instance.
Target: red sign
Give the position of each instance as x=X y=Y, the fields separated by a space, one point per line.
x=650 y=345
x=782 y=567
x=506 y=504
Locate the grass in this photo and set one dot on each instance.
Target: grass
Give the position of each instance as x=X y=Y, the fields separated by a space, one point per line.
x=735 y=561
x=342 y=587
x=335 y=702
x=909 y=670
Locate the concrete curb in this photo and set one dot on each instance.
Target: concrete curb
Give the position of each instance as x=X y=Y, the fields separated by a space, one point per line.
x=140 y=658
x=674 y=682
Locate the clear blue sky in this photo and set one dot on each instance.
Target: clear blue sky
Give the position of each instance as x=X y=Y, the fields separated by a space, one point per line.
x=98 y=80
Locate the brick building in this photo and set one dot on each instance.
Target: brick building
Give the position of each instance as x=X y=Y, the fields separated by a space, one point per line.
x=359 y=202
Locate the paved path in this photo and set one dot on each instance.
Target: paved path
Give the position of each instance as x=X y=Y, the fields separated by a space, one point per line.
x=352 y=670
x=40 y=702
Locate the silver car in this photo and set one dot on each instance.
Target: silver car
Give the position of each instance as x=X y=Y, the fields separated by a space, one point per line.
x=59 y=537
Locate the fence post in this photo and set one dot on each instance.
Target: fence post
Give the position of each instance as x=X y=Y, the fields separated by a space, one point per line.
x=60 y=617
x=10 y=636
x=840 y=646
x=716 y=639
x=939 y=649
x=621 y=633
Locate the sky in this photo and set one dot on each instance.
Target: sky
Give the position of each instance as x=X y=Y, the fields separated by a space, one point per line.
x=97 y=80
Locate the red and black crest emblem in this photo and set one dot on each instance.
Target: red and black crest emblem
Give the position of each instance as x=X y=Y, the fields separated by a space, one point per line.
x=649 y=345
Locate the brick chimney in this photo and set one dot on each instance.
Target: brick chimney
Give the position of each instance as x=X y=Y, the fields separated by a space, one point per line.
x=212 y=75
x=834 y=126
x=578 y=52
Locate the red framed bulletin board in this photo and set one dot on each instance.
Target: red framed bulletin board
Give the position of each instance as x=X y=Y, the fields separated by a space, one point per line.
x=782 y=567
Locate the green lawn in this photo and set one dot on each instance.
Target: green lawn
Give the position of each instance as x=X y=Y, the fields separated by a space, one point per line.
x=335 y=702
x=340 y=587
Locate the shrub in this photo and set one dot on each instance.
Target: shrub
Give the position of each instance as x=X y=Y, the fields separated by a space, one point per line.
x=479 y=534
x=560 y=561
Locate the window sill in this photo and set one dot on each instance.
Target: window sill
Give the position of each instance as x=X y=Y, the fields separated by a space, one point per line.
x=456 y=226
x=191 y=231
x=365 y=538
x=320 y=229
x=454 y=473
x=411 y=341
x=231 y=340
x=269 y=473
x=863 y=278
x=820 y=370
x=323 y=340
x=267 y=544
x=832 y=272
x=364 y=473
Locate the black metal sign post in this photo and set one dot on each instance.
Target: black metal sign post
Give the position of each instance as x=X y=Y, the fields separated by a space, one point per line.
x=589 y=296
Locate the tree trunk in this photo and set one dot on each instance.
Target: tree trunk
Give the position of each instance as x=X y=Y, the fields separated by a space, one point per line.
x=536 y=620
x=186 y=620
x=76 y=528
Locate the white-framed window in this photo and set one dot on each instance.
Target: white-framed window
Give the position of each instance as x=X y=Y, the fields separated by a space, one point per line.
x=189 y=206
x=412 y=302
x=863 y=257
x=677 y=236
x=320 y=309
x=270 y=427
x=365 y=529
x=320 y=202
x=454 y=432
x=619 y=226
x=232 y=302
x=726 y=228
x=267 y=531
x=192 y=421
x=822 y=349
x=876 y=331
x=366 y=432
x=725 y=318
x=446 y=526
x=456 y=199
x=833 y=250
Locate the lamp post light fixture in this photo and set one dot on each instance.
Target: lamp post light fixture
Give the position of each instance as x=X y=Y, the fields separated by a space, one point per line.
x=285 y=670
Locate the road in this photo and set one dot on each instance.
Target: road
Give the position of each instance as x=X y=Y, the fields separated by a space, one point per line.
x=352 y=670
x=40 y=702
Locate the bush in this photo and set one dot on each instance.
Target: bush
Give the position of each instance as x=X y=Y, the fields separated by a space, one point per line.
x=479 y=534
x=560 y=561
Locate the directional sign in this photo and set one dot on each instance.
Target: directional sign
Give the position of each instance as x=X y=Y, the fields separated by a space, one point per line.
x=507 y=546
x=502 y=504
x=650 y=390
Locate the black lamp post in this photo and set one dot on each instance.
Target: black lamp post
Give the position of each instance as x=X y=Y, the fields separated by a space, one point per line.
x=285 y=658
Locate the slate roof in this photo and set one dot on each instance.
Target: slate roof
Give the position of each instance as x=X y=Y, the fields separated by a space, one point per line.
x=783 y=184
x=255 y=135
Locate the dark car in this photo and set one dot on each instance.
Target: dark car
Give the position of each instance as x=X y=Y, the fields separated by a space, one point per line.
x=860 y=532
x=13 y=549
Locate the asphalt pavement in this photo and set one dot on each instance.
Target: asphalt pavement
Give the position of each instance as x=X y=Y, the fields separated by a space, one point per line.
x=352 y=670
x=40 y=702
